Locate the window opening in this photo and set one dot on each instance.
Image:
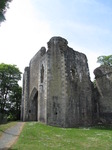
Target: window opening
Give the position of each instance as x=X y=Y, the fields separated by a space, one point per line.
x=42 y=73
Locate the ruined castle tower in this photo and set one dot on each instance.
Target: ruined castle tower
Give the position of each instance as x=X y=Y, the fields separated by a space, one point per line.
x=57 y=87
x=103 y=75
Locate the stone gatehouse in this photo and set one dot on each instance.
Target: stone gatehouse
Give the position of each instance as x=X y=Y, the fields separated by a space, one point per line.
x=57 y=89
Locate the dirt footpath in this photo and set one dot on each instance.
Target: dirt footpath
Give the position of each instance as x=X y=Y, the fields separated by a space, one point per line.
x=10 y=136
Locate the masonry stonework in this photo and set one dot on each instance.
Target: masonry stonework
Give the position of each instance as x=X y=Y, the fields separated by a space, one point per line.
x=103 y=75
x=57 y=89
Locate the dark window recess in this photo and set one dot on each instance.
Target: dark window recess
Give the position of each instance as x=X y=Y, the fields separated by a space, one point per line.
x=72 y=72
x=55 y=105
x=42 y=73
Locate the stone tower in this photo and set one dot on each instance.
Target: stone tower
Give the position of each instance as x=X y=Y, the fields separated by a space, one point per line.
x=103 y=75
x=57 y=87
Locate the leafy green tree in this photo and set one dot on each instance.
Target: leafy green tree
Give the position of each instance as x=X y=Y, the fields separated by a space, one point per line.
x=105 y=60
x=9 y=88
x=15 y=103
x=4 y=4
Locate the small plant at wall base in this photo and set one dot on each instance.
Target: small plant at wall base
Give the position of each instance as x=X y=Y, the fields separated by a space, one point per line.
x=10 y=91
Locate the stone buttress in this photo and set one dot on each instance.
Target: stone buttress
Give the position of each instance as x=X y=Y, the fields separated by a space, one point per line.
x=69 y=91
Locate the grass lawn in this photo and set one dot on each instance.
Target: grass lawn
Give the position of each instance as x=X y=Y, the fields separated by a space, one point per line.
x=37 y=136
x=4 y=127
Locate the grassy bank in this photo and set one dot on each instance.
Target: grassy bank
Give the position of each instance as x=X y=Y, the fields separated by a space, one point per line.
x=4 y=127
x=36 y=136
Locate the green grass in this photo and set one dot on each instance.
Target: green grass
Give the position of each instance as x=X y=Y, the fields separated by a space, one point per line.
x=37 y=136
x=4 y=127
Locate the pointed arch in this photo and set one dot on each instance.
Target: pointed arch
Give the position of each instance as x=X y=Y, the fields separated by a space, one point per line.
x=33 y=112
x=33 y=93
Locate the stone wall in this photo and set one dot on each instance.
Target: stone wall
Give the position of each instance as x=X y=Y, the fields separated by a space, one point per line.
x=57 y=89
x=56 y=82
x=103 y=75
x=42 y=89
x=69 y=101
x=79 y=102
x=25 y=95
x=37 y=108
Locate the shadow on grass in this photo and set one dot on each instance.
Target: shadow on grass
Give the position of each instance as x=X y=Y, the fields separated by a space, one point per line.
x=12 y=149
x=7 y=148
x=102 y=127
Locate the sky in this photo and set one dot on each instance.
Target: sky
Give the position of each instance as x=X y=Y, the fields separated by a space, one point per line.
x=29 y=25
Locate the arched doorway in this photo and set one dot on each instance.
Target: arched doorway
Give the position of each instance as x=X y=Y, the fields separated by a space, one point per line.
x=33 y=111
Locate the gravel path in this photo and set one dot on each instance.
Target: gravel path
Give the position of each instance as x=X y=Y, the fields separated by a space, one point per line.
x=10 y=136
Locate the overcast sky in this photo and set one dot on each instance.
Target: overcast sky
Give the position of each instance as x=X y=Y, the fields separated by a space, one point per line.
x=86 y=24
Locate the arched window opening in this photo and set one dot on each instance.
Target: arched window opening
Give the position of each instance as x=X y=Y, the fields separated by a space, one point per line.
x=42 y=74
x=72 y=72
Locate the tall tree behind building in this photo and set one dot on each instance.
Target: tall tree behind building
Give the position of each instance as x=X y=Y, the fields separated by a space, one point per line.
x=4 y=5
x=105 y=60
x=10 y=91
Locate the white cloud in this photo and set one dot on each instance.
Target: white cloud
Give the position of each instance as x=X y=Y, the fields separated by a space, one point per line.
x=22 y=34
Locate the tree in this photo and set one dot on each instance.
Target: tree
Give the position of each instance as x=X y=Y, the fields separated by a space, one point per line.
x=15 y=103
x=4 y=4
x=9 y=88
x=105 y=60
